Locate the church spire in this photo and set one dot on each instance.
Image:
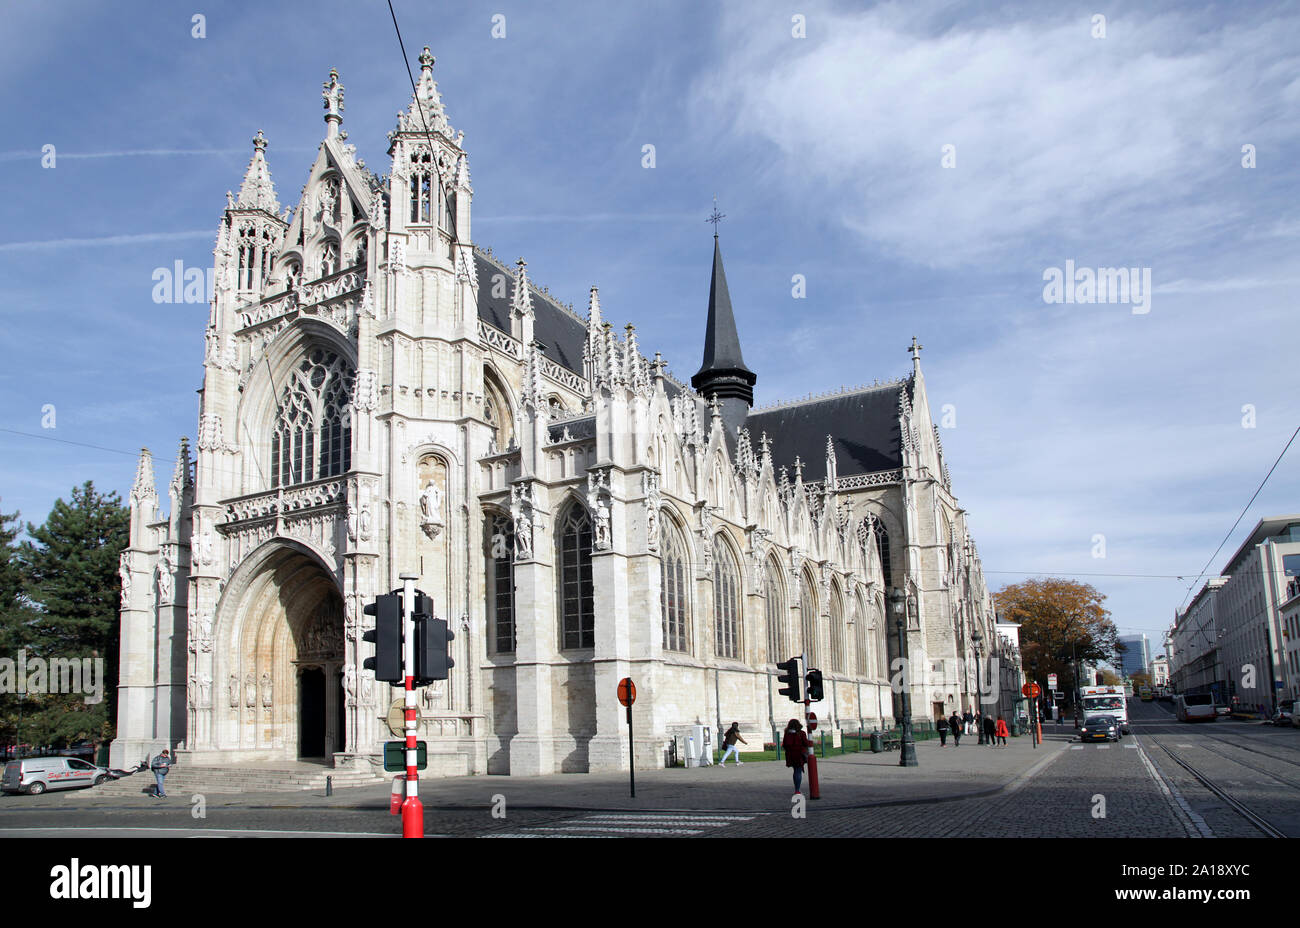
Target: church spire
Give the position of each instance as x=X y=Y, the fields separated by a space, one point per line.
x=723 y=373
x=426 y=110
x=257 y=191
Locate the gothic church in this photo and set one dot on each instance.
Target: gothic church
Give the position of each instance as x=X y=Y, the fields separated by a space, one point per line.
x=382 y=395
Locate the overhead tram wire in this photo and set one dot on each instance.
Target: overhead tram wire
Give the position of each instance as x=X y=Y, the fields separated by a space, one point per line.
x=1244 y=510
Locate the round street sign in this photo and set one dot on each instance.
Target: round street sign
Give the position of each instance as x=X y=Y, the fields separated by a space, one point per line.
x=397 y=717
x=1031 y=690
x=812 y=721
x=626 y=691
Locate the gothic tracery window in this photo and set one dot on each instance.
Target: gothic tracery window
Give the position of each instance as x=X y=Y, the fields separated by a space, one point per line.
x=808 y=618
x=313 y=430
x=421 y=186
x=500 y=586
x=673 y=600
x=577 y=595
x=836 y=632
x=726 y=602
x=775 y=615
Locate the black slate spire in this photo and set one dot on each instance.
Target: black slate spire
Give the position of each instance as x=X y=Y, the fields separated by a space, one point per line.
x=723 y=373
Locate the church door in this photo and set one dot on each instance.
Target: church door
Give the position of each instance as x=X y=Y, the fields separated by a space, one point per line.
x=311 y=712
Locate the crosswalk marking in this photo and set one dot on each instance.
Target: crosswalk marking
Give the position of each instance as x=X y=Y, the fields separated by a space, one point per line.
x=1131 y=747
x=1076 y=747
x=1103 y=747
x=616 y=824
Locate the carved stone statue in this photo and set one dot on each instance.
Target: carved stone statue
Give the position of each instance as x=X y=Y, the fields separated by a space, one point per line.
x=266 y=690
x=350 y=683
x=431 y=509
x=234 y=691
x=124 y=569
x=523 y=537
x=603 y=541
x=250 y=691
x=205 y=691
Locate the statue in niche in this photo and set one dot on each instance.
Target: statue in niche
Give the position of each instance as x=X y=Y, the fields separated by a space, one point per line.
x=266 y=690
x=602 y=525
x=431 y=509
x=234 y=691
x=205 y=691
x=250 y=691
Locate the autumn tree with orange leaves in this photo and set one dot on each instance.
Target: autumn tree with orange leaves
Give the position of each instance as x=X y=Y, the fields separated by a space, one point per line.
x=1059 y=620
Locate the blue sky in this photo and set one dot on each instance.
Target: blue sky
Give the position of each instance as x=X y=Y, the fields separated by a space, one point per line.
x=826 y=154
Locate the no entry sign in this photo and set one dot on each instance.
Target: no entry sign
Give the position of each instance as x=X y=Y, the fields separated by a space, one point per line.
x=626 y=692
x=1031 y=690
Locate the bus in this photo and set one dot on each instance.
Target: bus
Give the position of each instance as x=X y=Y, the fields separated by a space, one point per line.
x=1194 y=707
x=1146 y=692
x=1106 y=700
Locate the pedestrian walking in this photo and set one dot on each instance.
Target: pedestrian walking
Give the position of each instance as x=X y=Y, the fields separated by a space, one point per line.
x=1001 y=731
x=796 y=745
x=729 y=741
x=955 y=724
x=941 y=726
x=160 y=766
x=969 y=721
x=990 y=730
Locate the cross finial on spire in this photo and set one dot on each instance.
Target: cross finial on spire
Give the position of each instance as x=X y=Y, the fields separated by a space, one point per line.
x=915 y=349
x=716 y=218
x=426 y=61
x=259 y=141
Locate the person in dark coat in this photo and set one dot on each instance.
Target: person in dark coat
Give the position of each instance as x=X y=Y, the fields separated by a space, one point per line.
x=990 y=730
x=955 y=726
x=970 y=722
x=941 y=726
x=796 y=745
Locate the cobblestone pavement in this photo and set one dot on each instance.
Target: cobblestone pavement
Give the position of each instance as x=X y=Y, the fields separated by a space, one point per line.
x=1061 y=789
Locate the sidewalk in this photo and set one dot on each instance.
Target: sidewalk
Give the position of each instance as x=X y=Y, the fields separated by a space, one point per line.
x=847 y=781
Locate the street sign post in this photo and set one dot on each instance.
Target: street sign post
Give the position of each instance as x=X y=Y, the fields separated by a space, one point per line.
x=412 y=808
x=627 y=696
x=1032 y=691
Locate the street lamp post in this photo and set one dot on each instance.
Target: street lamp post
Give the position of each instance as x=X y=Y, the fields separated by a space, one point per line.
x=907 y=749
x=976 y=638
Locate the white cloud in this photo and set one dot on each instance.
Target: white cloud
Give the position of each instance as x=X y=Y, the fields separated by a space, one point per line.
x=1059 y=136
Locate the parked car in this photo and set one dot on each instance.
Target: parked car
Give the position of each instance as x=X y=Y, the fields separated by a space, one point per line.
x=1100 y=728
x=1285 y=714
x=35 y=775
x=1223 y=710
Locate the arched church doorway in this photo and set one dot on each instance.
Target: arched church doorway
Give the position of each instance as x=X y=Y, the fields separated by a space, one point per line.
x=285 y=660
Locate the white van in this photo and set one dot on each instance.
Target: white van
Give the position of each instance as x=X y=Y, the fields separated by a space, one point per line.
x=1196 y=707
x=37 y=774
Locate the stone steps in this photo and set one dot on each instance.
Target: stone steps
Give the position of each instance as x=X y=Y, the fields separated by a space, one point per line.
x=243 y=779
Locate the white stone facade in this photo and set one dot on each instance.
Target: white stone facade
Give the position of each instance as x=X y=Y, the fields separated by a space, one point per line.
x=381 y=396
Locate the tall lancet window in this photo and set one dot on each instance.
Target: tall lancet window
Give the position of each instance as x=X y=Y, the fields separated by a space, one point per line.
x=673 y=601
x=422 y=188
x=577 y=596
x=776 y=614
x=808 y=618
x=500 y=586
x=313 y=430
x=882 y=546
x=837 y=632
x=726 y=602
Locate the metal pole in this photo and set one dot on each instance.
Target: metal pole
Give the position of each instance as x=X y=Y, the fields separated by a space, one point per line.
x=412 y=809
x=631 y=753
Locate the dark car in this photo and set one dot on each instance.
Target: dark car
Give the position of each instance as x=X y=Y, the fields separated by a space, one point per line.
x=1100 y=728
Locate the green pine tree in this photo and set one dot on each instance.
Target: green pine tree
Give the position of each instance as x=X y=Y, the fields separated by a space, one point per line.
x=70 y=568
x=16 y=618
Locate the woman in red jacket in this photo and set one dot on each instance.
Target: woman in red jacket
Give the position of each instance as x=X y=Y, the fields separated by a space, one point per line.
x=1001 y=731
x=795 y=744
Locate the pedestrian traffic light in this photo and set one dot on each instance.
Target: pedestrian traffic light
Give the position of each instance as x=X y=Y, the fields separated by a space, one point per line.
x=789 y=675
x=814 y=680
x=432 y=643
x=386 y=637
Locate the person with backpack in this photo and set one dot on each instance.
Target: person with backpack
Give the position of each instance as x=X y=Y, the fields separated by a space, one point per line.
x=796 y=746
x=160 y=766
x=955 y=723
x=729 y=741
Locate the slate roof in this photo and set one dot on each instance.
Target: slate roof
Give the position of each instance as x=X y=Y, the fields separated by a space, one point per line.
x=561 y=332
x=864 y=426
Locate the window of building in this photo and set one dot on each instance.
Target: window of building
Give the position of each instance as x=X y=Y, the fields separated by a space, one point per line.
x=313 y=431
x=577 y=600
x=421 y=186
x=776 y=614
x=500 y=584
x=837 y=633
x=808 y=618
x=673 y=600
x=726 y=602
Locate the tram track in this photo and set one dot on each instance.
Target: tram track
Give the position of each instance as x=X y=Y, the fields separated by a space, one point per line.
x=1241 y=809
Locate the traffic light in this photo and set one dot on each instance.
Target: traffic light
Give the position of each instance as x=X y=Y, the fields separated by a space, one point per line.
x=789 y=675
x=432 y=643
x=814 y=680
x=386 y=637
